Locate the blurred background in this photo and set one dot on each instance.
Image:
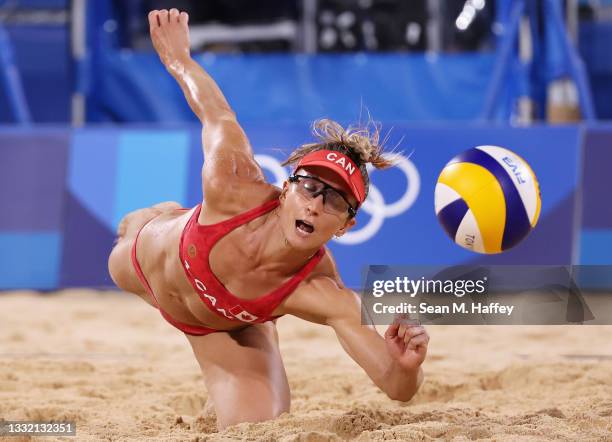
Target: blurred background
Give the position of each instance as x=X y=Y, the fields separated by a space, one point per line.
x=93 y=127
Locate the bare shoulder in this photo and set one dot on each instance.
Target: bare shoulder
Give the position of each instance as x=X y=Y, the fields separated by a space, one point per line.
x=231 y=177
x=325 y=269
x=322 y=294
x=248 y=197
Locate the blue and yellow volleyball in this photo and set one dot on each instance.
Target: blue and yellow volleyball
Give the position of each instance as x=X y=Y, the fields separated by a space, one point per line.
x=487 y=199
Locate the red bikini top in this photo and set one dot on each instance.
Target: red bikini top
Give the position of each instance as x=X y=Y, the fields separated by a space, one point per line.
x=196 y=243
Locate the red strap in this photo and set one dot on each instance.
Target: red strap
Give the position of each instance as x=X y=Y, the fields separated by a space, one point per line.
x=139 y=272
x=243 y=218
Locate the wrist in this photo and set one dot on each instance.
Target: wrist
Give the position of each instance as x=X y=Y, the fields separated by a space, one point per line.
x=397 y=368
x=179 y=65
x=402 y=382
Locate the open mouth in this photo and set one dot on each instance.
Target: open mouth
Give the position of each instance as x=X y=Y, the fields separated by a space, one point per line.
x=304 y=227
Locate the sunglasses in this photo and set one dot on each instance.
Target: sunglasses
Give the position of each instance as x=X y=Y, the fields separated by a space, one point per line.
x=333 y=201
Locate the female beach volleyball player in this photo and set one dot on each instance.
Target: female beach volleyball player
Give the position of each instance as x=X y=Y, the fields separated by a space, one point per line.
x=251 y=252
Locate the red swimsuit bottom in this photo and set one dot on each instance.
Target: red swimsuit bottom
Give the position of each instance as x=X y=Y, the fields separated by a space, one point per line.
x=192 y=330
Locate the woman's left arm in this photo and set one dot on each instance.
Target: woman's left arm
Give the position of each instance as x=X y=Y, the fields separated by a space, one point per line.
x=393 y=362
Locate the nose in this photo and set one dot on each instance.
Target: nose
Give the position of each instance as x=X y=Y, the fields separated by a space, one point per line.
x=315 y=205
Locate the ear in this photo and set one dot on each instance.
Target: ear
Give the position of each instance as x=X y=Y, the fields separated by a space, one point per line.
x=347 y=226
x=283 y=193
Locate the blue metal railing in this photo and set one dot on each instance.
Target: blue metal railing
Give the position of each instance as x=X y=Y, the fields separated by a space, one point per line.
x=11 y=81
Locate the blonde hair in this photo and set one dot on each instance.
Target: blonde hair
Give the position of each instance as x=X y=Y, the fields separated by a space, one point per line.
x=361 y=144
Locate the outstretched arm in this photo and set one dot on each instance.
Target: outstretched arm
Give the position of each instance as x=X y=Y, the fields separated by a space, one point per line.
x=393 y=362
x=170 y=37
x=229 y=157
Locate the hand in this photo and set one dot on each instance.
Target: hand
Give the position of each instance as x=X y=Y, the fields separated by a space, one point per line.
x=406 y=343
x=170 y=36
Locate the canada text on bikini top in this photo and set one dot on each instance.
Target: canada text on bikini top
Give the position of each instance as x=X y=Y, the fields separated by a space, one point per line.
x=196 y=243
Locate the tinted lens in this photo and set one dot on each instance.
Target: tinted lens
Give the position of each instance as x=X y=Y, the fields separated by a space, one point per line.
x=309 y=186
x=334 y=202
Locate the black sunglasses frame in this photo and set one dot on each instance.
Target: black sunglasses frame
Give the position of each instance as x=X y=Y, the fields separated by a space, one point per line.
x=351 y=210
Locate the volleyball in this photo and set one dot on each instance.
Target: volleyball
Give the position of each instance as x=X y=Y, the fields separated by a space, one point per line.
x=487 y=199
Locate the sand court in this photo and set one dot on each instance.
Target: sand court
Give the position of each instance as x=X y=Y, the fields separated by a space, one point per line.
x=110 y=363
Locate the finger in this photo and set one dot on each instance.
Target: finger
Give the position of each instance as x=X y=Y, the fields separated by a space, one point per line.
x=404 y=318
x=392 y=330
x=410 y=322
x=412 y=332
x=401 y=319
x=163 y=16
x=152 y=19
x=400 y=316
x=402 y=330
x=173 y=15
x=420 y=340
x=184 y=17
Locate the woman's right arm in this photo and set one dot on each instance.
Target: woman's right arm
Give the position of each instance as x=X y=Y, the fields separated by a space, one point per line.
x=392 y=361
x=229 y=161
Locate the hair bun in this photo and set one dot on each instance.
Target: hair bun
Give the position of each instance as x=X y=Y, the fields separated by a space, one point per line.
x=362 y=142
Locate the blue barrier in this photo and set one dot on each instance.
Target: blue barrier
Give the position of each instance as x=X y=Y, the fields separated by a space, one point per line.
x=32 y=185
x=68 y=189
x=11 y=81
x=42 y=57
x=135 y=87
x=595 y=40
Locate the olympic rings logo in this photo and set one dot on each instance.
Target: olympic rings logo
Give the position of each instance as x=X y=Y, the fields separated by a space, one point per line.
x=375 y=205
